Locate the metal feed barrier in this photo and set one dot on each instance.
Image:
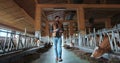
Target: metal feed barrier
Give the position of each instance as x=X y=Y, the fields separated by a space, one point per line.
x=92 y=40
x=15 y=42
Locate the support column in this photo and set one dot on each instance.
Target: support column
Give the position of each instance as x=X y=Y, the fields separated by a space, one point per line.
x=47 y=28
x=38 y=21
x=81 y=20
x=89 y=30
x=71 y=28
x=108 y=23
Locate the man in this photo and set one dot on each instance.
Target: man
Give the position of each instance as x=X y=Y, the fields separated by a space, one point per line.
x=57 y=30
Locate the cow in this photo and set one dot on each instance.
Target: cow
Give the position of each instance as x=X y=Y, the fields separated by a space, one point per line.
x=71 y=44
x=102 y=48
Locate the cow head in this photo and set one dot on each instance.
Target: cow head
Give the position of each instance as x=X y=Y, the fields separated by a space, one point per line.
x=97 y=53
x=104 y=47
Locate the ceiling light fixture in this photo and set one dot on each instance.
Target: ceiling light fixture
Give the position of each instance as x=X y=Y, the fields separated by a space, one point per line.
x=62 y=8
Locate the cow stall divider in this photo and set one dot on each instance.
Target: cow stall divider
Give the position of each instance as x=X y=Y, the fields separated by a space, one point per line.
x=13 y=42
x=95 y=39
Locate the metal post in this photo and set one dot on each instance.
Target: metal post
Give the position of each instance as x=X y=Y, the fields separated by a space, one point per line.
x=110 y=40
x=94 y=38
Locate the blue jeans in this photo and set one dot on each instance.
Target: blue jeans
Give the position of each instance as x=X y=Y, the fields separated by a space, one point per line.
x=58 y=46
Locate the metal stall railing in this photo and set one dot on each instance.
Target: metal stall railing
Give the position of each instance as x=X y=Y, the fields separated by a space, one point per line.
x=92 y=40
x=15 y=42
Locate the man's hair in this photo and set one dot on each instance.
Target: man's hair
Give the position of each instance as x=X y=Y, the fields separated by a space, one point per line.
x=57 y=16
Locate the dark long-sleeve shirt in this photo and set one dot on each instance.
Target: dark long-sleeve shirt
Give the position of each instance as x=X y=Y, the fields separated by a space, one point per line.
x=58 y=27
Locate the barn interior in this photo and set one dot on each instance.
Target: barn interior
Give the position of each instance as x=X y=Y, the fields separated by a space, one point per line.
x=87 y=24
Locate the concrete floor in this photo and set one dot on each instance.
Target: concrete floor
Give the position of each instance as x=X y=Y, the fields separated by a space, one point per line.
x=68 y=57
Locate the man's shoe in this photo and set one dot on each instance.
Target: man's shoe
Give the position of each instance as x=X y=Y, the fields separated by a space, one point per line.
x=60 y=60
x=56 y=59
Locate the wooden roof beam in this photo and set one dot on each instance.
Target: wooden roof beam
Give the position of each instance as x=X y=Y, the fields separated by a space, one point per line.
x=58 y=5
x=79 y=5
x=101 y=5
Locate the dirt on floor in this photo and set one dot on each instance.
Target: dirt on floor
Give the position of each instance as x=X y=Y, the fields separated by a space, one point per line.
x=31 y=57
x=83 y=55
